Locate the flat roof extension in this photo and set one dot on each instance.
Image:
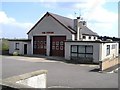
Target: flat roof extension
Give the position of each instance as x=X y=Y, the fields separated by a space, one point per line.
x=24 y=40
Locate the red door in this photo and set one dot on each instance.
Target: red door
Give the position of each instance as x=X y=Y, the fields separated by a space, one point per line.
x=57 y=46
x=39 y=45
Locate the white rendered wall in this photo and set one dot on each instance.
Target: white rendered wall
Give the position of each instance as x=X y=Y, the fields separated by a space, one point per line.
x=99 y=50
x=73 y=37
x=48 y=24
x=21 y=47
x=113 y=52
x=48 y=45
x=38 y=81
x=92 y=38
x=29 y=52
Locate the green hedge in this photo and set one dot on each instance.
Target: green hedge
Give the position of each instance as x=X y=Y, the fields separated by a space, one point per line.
x=5 y=45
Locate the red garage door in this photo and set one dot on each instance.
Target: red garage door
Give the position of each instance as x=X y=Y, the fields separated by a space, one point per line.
x=39 y=45
x=57 y=45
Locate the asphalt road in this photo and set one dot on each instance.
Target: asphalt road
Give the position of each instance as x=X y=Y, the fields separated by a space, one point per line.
x=59 y=73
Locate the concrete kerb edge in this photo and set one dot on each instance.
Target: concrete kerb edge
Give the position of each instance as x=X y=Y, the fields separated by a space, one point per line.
x=11 y=81
x=13 y=85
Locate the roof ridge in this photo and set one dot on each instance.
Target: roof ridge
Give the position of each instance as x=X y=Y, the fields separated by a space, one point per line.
x=59 y=15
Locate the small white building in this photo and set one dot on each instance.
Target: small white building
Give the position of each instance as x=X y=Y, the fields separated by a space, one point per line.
x=22 y=46
x=90 y=51
x=55 y=35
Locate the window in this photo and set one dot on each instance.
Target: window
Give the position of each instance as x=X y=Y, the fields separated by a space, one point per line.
x=108 y=50
x=57 y=43
x=84 y=51
x=74 y=54
x=53 y=47
x=84 y=37
x=89 y=49
x=17 y=46
x=81 y=49
x=61 y=47
x=94 y=37
x=89 y=37
x=74 y=48
x=61 y=43
x=113 y=46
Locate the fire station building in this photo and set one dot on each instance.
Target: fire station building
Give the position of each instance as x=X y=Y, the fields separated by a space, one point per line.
x=52 y=32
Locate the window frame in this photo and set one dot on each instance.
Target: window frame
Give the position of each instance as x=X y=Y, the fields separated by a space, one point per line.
x=113 y=46
x=89 y=37
x=84 y=37
x=84 y=54
x=107 y=50
x=17 y=46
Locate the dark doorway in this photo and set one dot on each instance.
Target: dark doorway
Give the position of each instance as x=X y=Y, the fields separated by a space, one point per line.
x=25 y=48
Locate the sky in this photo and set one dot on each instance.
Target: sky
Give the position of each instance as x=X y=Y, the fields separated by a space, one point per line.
x=17 y=17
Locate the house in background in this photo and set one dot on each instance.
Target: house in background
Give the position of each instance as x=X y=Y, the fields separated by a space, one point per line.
x=55 y=35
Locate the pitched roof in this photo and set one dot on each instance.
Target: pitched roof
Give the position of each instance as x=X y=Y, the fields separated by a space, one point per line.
x=87 y=31
x=68 y=23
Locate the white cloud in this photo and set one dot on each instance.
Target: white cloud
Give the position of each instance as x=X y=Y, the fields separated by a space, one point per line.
x=92 y=11
x=70 y=16
x=4 y=18
x=49 y=4
x=99 y=19
x=100 y=14
x=88 y=4
x=104 y=29
x=11 y=28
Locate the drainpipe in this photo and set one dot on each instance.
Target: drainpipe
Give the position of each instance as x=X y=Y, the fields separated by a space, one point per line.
x=78 y=28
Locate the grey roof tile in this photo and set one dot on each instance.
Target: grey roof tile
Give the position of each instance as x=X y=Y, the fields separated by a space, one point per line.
x=69 y=23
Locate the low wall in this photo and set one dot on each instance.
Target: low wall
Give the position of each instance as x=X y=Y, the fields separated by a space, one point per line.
x=36 y=79
x=108 y=63
x=84 y=60
x=4 y=52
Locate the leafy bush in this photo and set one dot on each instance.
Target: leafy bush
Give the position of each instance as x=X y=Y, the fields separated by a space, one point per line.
x=5 y=45
x=15 y=53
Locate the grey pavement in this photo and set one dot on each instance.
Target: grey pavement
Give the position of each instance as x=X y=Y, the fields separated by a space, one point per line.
x=60 y=74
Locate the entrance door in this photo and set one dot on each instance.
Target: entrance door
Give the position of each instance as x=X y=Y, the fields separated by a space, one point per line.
x=57 y=45
x=39 y=45
x=25 y=48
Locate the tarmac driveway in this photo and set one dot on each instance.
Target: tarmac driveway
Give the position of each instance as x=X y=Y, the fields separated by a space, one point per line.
x=60 y=74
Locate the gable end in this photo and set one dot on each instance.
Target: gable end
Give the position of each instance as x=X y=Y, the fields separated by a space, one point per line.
x=48 y=14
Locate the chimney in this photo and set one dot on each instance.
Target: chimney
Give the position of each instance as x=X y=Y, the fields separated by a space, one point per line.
x=78 y=23
x=78 y=28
